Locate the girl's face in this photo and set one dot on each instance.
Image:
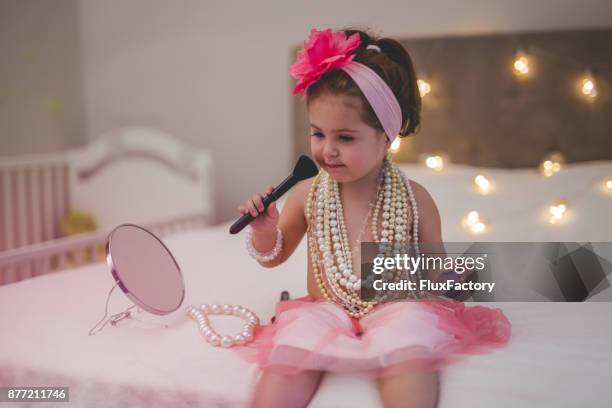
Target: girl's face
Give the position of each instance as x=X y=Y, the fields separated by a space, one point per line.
x=340 y=142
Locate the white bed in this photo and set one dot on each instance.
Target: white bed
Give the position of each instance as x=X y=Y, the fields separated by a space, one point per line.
x=558 y=354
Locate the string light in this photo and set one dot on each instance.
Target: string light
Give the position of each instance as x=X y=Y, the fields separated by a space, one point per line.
x=395 y=145
x=435 y=163
x=551 y=164
x=588 y=86
x=474 y=223
x=424 y=87
x=607 y=184
x=521 y=65
x=483 y=185
x=557 y=211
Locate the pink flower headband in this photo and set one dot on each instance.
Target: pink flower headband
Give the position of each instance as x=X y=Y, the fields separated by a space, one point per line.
x=327 y=50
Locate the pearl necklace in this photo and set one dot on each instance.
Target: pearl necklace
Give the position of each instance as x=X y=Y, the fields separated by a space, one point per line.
x=329 y=244
x=215 y=339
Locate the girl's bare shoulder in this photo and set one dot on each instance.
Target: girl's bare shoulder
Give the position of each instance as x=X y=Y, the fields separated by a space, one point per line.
x=428 y=214
x=421 y=195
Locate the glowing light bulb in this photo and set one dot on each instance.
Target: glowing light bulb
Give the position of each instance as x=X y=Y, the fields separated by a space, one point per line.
x=435 y=163
x=424 y=87
x=607 y=184
x=551 y=164
x=557 y=211
x=482 y=184
x=474 y=223
x=395 y=145
x=479 y=227
x=521 y=65
x=588 y=86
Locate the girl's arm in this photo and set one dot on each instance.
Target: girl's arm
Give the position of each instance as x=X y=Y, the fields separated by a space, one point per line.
x=430 y=227
x=291 y=222
x=430 y=233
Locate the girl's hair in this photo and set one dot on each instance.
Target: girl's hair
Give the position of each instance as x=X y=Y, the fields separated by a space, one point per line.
x=393 y=65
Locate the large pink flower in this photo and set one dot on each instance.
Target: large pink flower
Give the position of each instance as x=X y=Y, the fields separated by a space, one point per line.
x=324 y=51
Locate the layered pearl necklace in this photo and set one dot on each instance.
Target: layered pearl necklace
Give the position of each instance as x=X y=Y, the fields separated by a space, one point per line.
x=328 y=239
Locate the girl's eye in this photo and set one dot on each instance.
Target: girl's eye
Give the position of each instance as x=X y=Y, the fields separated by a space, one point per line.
x=344 y=138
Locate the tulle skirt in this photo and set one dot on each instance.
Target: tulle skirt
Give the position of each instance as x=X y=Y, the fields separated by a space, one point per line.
x=310 y=334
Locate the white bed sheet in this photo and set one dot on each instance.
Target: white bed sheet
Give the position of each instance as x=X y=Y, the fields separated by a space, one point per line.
x=557 y=356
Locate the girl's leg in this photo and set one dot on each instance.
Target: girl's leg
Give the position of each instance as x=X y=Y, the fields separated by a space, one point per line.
x=278 y=390
x=410 y=389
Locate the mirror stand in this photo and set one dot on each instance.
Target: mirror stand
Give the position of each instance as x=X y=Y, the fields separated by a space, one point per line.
x=117 y=317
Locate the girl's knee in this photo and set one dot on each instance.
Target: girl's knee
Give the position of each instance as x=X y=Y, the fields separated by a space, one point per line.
x=416 y=388
x=281 y=390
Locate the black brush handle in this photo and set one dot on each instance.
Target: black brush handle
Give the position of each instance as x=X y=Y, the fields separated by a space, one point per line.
x=247 y=218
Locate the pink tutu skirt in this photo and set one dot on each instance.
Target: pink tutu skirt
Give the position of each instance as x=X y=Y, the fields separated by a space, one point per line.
x=310 y=334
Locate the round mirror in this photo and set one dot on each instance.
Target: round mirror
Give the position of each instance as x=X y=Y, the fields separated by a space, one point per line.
x=145 y=269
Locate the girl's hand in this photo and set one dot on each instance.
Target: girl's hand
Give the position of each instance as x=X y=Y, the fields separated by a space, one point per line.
x=264 y=221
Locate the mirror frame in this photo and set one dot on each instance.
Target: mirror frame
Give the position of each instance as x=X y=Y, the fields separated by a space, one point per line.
x=117 y=278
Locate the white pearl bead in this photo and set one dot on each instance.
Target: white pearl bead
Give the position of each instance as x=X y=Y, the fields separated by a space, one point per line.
x=215 y=309
x=226 y=309
x=239 y=339
x=227 y=341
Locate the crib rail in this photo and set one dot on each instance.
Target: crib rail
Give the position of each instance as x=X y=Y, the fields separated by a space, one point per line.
x=34 y=195
x=69 y=252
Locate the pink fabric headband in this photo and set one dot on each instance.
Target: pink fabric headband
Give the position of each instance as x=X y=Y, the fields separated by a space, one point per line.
x=327 y=50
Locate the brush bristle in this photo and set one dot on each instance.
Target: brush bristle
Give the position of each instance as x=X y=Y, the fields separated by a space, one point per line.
x=305 y=168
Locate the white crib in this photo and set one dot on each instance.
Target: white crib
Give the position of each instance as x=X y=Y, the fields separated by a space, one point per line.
x=135 y=174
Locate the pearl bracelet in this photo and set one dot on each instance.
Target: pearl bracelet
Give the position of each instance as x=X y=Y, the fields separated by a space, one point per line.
x=264 y=257
x=215 y=339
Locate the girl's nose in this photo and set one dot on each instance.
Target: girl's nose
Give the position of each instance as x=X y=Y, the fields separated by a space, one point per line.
x=329 y=150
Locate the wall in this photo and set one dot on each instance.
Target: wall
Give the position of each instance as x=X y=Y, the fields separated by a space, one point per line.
x=41 y=95
x=215 y=73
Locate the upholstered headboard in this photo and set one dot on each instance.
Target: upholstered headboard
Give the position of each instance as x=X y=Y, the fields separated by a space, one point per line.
x=480 y=113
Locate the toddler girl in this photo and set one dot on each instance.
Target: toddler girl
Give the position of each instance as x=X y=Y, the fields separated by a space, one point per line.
x=361 y=94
